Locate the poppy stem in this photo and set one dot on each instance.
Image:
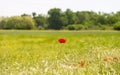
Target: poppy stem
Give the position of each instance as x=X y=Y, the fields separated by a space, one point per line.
x=59 y=53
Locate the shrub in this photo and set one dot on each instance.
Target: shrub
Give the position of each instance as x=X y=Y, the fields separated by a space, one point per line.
x=79 y=27
x=70 y=27
x=75 y=27
x=117 y=26
x=17 y=22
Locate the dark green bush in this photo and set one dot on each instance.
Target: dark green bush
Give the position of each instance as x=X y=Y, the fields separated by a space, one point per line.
x=75 y=27
x=70 y=27
x=79 y=27
x=117 y=26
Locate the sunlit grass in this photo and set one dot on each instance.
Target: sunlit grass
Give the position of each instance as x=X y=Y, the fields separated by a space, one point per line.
x=40 y=53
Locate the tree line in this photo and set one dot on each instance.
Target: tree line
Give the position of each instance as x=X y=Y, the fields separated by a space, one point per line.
x=58 y=19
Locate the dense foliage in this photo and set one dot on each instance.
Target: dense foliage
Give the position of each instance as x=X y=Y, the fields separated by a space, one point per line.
x=18 y=22
x=117 y=26
x=58 y=19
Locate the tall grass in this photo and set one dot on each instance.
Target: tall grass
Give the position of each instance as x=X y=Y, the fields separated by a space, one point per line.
x=40 y=53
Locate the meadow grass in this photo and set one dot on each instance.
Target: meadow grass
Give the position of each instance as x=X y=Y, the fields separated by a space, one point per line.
x=40 y=53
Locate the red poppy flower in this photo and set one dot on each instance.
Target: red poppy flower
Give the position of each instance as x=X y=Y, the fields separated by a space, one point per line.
x=62 y=40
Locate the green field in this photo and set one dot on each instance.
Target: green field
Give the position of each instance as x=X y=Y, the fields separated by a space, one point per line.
x=40 y=53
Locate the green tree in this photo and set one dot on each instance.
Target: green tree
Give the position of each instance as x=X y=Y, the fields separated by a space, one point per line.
x=102 y=19
x=28 y=22
x=111 y=19
x=40 y=21
x=34 y=14
x=25 y=14
x=71 y=16
x=86 y=16
x=64 y=20
x=117 y=15
x=54 y=18
x=3 y=23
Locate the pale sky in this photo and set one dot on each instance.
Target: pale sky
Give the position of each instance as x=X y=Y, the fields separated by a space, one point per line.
x=18 y=7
